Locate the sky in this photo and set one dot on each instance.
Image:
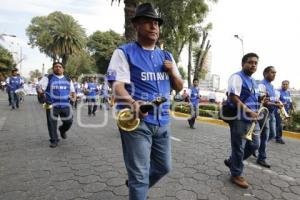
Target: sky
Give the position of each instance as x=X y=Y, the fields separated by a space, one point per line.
x=267 y=27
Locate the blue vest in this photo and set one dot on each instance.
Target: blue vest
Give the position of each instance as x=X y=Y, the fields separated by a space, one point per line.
x=14 y=83
x=57 y=92
x=194 y=96
x=149 y=80
x=285 y=98
x=249 y=95
x=271 y=94
x=92 y=87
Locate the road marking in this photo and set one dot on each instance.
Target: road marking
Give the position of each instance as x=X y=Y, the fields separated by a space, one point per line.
x=271 y=172
x=176 y=139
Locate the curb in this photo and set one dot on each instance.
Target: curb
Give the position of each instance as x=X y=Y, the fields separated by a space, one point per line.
x=221 y=123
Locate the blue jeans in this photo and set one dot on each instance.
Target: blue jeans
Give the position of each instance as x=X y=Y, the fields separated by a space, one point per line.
x=194 y=114
x=268 y=133
x=14 y=99
x=241 y=149
x=272 y=122
x=147 y=157
x=279 y=127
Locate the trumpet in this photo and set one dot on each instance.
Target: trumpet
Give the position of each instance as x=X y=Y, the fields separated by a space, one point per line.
x=126 y=120
x=262 y=110
x=282 y=112
x=47 y=106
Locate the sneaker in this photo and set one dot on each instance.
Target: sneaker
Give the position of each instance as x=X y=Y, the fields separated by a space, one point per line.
x=192 y=127
x=263 y=163
x=239 y=181
x=63 y=135
x=53 y=145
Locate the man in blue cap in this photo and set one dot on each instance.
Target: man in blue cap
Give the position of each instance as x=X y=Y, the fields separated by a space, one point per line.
x=143 y=73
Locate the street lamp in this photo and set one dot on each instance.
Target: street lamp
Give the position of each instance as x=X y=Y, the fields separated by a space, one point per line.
x=242 y=42
x=7 y=35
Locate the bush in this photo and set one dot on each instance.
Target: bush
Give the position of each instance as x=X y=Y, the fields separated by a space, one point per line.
x=204 y=110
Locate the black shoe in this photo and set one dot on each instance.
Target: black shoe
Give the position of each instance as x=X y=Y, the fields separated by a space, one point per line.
x=263 y=163
x=192 y=127
x=53 y=145
x=227 y=163
x=254 y=154
x=126 y=183
x=280 y=141
x=62 y=133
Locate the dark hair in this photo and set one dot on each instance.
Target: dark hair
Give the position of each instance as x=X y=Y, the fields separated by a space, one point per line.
x=267 y=69
x=248 y=55
x=285 y=81
x=57 y=62
x=195 y=79
x=14 y=70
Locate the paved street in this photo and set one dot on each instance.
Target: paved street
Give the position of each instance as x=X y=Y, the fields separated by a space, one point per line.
x=89 y=164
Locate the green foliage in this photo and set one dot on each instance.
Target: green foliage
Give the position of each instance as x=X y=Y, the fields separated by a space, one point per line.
x=57 y=35
x=35 y=74
x=180 y=17
x=182 y=73
x=205 y=110
x=101 y=45
x=79 y=64
x=6 y=60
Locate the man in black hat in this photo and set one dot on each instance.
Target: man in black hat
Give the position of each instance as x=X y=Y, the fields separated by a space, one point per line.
x=143 y=73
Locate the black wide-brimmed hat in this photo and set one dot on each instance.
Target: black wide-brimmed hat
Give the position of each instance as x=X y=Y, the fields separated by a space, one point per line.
x=146 y=10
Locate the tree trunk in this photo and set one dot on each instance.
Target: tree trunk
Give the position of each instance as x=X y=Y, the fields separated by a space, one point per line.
x=130 y=6
x=190 y=62
x=202 y=55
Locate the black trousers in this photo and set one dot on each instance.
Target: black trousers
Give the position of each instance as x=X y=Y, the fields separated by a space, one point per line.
x=52 y=118
x=92 y=106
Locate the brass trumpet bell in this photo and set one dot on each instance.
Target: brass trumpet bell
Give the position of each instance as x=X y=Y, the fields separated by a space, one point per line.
x=47 y=106
x=126 y=120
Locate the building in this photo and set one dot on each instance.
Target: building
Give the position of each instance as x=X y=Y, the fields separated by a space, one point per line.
x=211 y=82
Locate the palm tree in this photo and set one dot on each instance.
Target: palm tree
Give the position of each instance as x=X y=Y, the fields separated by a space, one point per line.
x=68 y=37
x=129 y=10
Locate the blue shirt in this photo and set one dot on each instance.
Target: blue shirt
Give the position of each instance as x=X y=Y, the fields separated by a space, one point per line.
x=194 y=96
x=57 y=92
x=14 y=83
x=248 y=93
x=148 y=79
x=285 y=98
x=271 y=94
x=92 y=87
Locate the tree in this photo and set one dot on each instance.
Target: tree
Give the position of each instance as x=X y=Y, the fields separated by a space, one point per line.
x=101 y=45
x=79 y=64
x=57 y=35
x=201 y=52
x=6 y=60
x=35 y=74
x=180 y=16
x=182 y=72
x=129 y=11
